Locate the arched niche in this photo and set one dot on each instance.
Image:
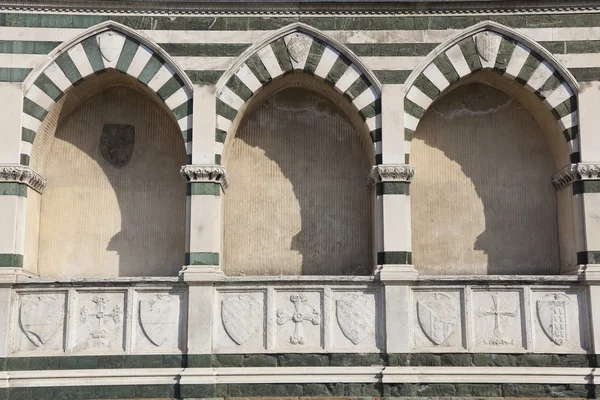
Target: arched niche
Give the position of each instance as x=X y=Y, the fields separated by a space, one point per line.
x=298 y=203
x=100 y=216
x=482 y=198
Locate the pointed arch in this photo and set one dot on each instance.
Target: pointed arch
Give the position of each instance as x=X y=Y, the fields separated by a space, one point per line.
x=489 y=45
x=297 y=47
x=103 y=46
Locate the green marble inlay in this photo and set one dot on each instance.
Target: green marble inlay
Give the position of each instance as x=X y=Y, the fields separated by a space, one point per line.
x=154 y=64
x=187 y=135
x=467 y=46
x=258 y=69
x=220 y=136
x=281 y=53
x=338 y=69
x=314 y=56
x=204 y=49
x=371 y=110
x=588 y=257
x=225 y=110
x=48 y=87
x=27 y=47
x=426 y=86
x=413 y=109
x=126 y=57
x=203 y=189
x=357 y=88
x=201 y=258
x=14 y=74
x=392 y=77
x=529 y=67
x=67 y=66
x=238 y=87
x=199 y=77
x=446 y=67
x=394 y=257
x=27 y=135
x=90 y=46
x=11 y=260
x=33 y=109
x=24 y=159
x=581 y=187
x=13 y=189
x=507 y=46
x=170 y=87
x=384 y=188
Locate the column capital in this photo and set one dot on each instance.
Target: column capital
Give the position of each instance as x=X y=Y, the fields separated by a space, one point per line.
x=390 y=173
x=205 y=173
x=576 y=172
x=21 y=174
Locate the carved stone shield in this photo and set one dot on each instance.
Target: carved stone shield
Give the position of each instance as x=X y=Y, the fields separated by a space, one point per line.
x=356 y=316
x=437 y=316
x=298 y=45
x=552 y=313
x=40 y=317
x=159 y=318
x=117 y=143
x=241 y=317
x=110 y=44
x=486 y=45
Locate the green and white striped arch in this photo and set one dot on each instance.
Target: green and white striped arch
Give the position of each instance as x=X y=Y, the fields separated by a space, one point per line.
x=107 y=45
x=315 y=54
x=507 y=53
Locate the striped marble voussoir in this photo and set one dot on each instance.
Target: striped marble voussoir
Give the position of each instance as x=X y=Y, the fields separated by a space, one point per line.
x=504 y=55
x=94 y=54
x=305 y=52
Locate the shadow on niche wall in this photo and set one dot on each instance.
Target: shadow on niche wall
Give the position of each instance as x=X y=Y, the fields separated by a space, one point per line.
x=118 y=157
x=482 y=197
x=298 y=203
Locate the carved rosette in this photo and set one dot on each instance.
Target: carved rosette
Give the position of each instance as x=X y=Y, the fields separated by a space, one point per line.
x=390 y=173
x=205 y=173
x=22 y=174
x=575 y=172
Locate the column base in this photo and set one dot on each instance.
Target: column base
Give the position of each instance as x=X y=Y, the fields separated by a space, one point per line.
x=396 y=272
x=587 y=272
x=201 y=273
x=8 y=276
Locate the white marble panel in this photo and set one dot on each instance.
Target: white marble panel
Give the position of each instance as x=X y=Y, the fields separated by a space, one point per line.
x=299 y=320
x=498 y=319
x=99 y=319
x=240 y=320
x=438 y=320
x=39 y=322
x=159 y=321
x=559 y=321
x=355 y=321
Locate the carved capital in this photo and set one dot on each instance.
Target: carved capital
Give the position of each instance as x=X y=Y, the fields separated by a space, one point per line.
x=576 y=172
x=22 y=174
x=390 y=173
x=205 y=173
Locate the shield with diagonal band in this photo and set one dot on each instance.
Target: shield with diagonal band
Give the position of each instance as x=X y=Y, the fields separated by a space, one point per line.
x=355 y=315
x=437 y=317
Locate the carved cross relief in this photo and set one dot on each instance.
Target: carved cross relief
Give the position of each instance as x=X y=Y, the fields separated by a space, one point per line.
x=500 y=316
x=300 y=314
x=100 y=332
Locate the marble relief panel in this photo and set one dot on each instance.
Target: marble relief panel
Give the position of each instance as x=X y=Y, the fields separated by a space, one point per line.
x=299 y=320
x=438 y=320
x=99 y=320
x=40 y=321
x=241 y=322
x=559 y=321
x=355 y=324
x=159 y=321
x=499 y=320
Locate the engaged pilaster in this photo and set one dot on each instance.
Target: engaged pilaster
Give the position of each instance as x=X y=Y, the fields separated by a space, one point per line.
x=205 y=185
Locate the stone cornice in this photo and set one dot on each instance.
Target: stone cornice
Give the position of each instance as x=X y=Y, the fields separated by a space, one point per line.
x=576 y=172
x=21 y=174
x=300 y=7
x=205 y=173
x=390 y=173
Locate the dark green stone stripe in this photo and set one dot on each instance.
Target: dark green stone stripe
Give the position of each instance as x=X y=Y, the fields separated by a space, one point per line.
x=314 y=56
x=549 y=86
x=51 y=20
x=14 y=74
x=167 y=391
x=426 y=87
x=371 y=110
x=409 y=134
x=446 y=68
x=127 y=53
x=586 y=74
x=588 y=257
x=170 y=87
x=217 y=159
x=257 y=67
x=378 y=159
x=225 y=110
x=201 y=258
x=281 y=53
x=581 y=187
x=187 y=135
x=220 y=136
x=394 y=257
x=575 y=157
x=581 y=46
x=204 y=49
x=406 y=158
x=67 y=66
x=48 y=87
x=27 y=47
x=565 y=108
x=13 y=189
x=203 y=188
x=199 y=77
x=33 y=109
x=11 y=260
x=467 y=46
x=391 y=49
x=90 y=46
x=24 y=159
x=154 y=64
x=340 y=66
x=383 y=188
x=188 y=158
x=571 y=133
x=529 y=67
x=392 y=77
x=92 y=362
x=27 y=135
x=413 y=109
x=238 y=87
x=507 y=47
x=184 y=109
x=357 y=88
x=376 y=135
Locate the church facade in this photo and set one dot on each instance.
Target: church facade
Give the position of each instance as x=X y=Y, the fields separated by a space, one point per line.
x=268 y=199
